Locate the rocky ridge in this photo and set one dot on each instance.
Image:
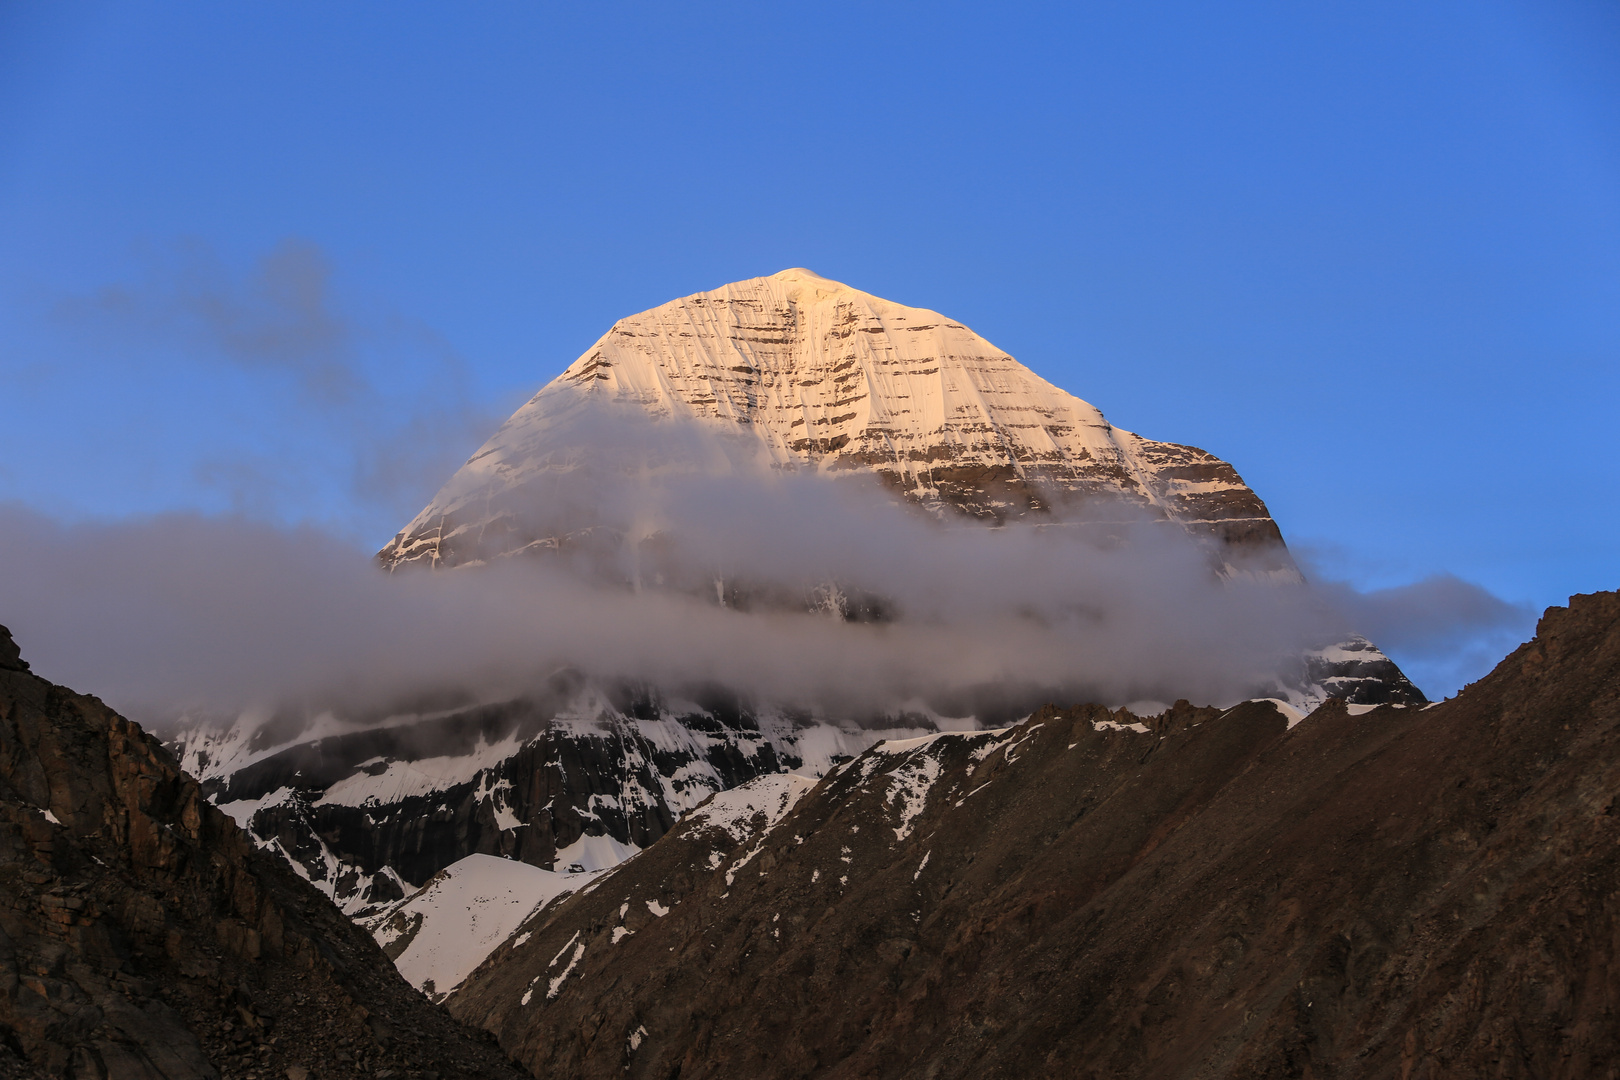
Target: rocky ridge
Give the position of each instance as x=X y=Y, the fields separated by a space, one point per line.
x=1371 y=892
x=143 y=936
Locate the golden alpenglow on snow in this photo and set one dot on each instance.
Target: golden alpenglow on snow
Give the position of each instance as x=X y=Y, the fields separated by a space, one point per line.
x=824 y=376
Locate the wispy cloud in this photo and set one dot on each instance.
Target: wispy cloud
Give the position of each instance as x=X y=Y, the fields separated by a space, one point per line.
x=279 y=317
x=383 y=404
x=1444 y=631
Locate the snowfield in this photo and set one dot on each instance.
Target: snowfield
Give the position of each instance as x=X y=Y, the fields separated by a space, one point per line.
x=438 y=935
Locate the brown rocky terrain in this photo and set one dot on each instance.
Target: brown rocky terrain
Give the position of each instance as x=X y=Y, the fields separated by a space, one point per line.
x=1390 y=892
x=144 y=937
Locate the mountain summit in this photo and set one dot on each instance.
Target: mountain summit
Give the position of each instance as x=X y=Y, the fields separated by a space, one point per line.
x=827 y=377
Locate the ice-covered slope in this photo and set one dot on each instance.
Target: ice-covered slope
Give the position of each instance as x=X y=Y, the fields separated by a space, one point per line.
x=824 y=376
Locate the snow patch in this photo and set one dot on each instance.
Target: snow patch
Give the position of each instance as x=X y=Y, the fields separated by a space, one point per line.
x=464 y=913
x=998 y=739
x=590 y=854
x=1114 y=725
x=404 y=779
x=562 y=950
x=242 y=810
x=910 y=783
x=556 y=984
x=1291 y=714
x=736 y=811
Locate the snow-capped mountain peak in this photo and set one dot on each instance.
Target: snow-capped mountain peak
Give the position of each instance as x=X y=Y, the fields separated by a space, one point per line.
x=819 y=375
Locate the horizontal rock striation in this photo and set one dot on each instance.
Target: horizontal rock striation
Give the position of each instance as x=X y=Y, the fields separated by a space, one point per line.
x=793 y=372
x=815 y=374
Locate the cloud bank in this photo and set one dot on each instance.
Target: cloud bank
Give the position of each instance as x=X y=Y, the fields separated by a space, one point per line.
x=726 y=573
x=698 y=562
x=344 y=411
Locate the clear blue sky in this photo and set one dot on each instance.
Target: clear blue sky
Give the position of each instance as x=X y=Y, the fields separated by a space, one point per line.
x=295 y=259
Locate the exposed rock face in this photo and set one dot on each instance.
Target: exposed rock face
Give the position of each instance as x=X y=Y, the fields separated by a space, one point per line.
x=1389 y=892
x=577 y=779
x=828 y=377
x=144 y=937
x=1357 y=672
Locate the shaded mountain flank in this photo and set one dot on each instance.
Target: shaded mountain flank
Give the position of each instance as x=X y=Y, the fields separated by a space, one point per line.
x=143 y=936
x=1372 y=892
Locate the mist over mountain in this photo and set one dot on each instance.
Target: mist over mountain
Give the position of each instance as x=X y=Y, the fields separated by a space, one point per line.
x=187 y=614
x=1369 y=891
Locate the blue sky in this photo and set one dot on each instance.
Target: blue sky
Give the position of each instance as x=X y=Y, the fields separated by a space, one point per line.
x=294 y=262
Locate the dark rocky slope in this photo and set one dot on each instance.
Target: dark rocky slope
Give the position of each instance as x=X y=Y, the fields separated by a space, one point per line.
x=1391 y=893
x=143 y=937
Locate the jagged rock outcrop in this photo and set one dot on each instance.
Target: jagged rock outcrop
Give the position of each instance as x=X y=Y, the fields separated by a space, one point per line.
x=572 y=778
x=143 y=936
x=1372 y=892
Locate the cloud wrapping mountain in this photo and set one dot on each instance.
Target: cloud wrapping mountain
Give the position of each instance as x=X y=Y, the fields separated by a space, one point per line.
x=180 y=613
